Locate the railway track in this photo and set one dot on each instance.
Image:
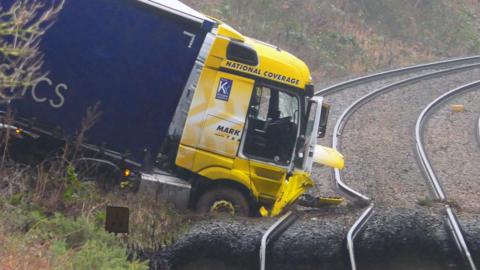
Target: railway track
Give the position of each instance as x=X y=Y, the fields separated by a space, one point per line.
x=450 y=141
x=340 y=125
x=341 y=95
x=359 y=103
x=395 y=79
x=453 y=221
x=274 y=232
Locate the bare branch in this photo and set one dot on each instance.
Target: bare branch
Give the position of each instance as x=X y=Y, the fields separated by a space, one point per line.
x=21 y=29
x=92 y=116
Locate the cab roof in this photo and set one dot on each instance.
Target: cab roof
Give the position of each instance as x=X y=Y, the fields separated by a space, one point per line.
x=273 y=63
x=276 y=59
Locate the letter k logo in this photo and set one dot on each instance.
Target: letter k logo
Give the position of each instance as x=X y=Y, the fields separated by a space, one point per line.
x=224 y=89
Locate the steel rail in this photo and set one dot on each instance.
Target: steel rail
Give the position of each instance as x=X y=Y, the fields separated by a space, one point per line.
x=477 y=131
x=336 y=140
x=453 y=222
x=395 y=72
x=354 y=230
x=342 y=121
x=273 y=232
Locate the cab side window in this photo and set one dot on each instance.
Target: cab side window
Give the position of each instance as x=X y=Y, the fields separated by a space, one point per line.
x=272 y=125
x=261 y=103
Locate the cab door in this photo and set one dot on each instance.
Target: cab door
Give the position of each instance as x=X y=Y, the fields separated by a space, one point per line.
x=215 y=122
x=313 y=123
x=270 y=136
x=225 y=117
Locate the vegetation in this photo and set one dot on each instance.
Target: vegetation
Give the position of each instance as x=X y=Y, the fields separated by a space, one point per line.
x=427 y=201
x=50 y=219
x=340 y=38
x=58 y=242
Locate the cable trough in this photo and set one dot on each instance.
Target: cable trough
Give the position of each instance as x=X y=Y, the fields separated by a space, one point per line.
x=455 y=227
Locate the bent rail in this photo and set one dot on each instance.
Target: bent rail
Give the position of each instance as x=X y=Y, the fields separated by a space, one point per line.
x=354 y=230
x=336 y=140
x=454 y=224
x=273 y=232
x=342 y=121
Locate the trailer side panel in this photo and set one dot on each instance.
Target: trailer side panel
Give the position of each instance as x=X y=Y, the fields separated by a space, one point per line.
x=131 y=59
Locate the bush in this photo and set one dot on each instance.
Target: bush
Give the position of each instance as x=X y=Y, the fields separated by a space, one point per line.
x=72 y=243
x=74 y=232
x=96 y=254
x=76 y=210
x=20 y=217
x=341 y=37
x=153 y=225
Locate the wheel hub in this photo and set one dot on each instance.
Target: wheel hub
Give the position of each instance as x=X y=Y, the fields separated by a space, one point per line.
x=223 y=206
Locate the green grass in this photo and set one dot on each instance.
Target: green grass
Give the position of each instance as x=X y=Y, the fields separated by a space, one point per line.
x=425 y=201
x=33 y=240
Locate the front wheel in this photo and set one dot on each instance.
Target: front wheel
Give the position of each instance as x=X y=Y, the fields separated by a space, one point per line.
x=224 y=200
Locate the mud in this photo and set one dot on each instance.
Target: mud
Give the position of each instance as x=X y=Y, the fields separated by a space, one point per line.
x=404 y=236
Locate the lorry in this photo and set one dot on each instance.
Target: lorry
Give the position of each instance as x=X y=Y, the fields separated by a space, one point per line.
x=184 y=105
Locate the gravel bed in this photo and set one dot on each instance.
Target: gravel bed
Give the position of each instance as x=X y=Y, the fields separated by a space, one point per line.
x=451 y=144
x=315 y=243
x=478 y=131
x=339 y=102
x=379 y=141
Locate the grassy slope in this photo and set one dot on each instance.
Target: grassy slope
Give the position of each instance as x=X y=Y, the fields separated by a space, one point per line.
x=339 y=38
x=49 y=219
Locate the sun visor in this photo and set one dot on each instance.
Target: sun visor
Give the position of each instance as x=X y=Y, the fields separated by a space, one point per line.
x=180 y=9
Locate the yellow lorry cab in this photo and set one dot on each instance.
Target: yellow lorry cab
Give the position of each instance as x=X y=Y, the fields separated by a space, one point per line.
x=253 y=109
x=189 y=109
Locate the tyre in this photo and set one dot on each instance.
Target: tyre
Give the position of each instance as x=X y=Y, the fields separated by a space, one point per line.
x=223 y=200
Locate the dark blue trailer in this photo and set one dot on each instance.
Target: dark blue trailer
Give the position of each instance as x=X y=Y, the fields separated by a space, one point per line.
x=134 y=59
